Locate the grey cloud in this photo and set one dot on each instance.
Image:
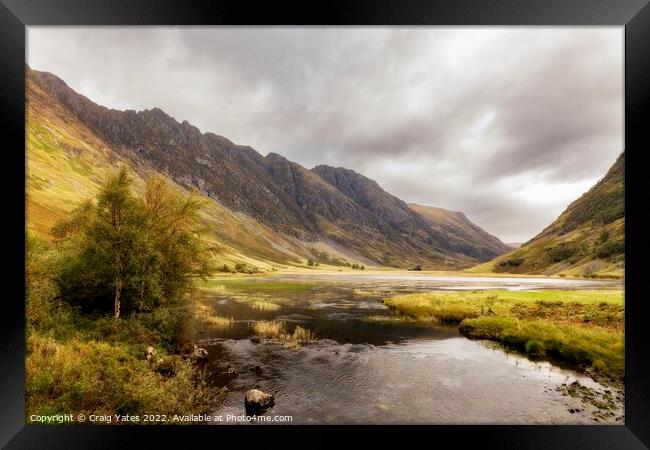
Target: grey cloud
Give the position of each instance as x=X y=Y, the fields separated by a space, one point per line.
x=462 y=118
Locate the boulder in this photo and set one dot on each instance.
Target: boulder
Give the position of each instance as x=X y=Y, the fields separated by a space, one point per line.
x=257 y=402
x=199 y=353
x=150 y=353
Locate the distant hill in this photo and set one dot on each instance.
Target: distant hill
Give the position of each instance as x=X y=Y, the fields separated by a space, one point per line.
x=460 y=233
x=264 y=208
x=587 y=239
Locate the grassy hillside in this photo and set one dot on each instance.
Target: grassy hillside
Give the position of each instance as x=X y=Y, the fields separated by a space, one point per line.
x=66 y=163
x=587 y=239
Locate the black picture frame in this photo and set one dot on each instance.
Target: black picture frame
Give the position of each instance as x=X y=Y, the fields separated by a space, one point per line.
x=634 y=15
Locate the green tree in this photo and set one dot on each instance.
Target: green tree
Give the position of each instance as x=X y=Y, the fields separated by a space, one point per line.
x=131 y=253
x=175 y=231
x=116 y=242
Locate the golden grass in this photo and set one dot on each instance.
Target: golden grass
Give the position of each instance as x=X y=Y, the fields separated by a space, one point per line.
x=269 y=329
x=276 y=330
x=262 y=305
x=206 y=314
x=301 y=334
x=589 y=308
x=585 y=328
x=92 y=377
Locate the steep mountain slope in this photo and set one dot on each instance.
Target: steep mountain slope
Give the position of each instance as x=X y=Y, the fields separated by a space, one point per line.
x=66 y=163
x=417 y=224
x=461 y=233
x=233 y=175
x=587 y=239
x=298 y=209
x=371 y=196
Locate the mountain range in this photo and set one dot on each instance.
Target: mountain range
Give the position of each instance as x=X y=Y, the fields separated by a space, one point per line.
x=266 y=211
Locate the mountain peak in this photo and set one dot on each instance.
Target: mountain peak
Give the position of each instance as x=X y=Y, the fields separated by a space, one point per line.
x=272 y=156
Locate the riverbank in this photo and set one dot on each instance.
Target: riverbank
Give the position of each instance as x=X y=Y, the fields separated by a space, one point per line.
x=584 y=329
x=97 y=365
x=367 y=364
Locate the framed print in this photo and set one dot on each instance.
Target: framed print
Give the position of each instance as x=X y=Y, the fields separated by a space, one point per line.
x=370 y=217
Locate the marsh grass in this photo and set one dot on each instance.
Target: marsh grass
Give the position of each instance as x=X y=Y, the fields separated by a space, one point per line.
x=206 y=314
x=583 y=328
x=367 y=293
x=443 y=308
x=220 y=321
x=269 y=329
x=262 y=305
x=276 y=330
x=396 y=320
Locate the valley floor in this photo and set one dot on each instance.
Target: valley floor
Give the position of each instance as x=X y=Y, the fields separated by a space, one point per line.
x=326 y=270
x=295 y=332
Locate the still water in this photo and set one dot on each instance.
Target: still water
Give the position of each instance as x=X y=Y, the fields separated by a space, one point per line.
x=365 y=370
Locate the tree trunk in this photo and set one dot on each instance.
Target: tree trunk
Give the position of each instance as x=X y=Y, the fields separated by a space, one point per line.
x=118 y=294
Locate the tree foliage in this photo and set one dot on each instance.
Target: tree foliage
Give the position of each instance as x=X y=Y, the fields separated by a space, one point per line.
x=127 y=253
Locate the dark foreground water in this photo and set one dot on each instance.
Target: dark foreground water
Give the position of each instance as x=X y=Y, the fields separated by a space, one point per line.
x=364 y=369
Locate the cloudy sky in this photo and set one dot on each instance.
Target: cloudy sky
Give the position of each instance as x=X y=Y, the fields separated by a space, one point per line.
x=508 y=125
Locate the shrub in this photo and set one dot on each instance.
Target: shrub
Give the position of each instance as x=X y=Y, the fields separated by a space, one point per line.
x=513 y=262
x=609 y=248
x=603 y=237
x=245 y=268
x=170 y=324
x=562 y=252
x=225 y=268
